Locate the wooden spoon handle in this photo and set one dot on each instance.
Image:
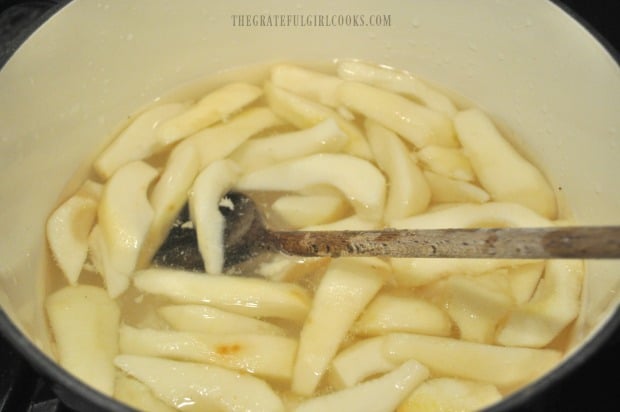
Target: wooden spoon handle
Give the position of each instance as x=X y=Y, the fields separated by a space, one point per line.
x=591 y=242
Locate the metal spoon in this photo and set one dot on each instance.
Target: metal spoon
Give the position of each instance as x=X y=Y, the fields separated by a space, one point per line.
x=246 y=236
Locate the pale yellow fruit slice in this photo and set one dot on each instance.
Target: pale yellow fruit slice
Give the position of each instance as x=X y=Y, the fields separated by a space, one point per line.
x=125 y=214
x=396 y=81
x=382 y=394
x=505 y=367
x=218 y=142
x=246 y=296
x=415 y=123
x=359 y=180
x=214 y=107
x=67 y=230
x=524 y=279
x=137 y=395
x=389 y=313
x=84 y=322
x=298 y=211
x=450 y=395
x=501 y=170
x=363 y=359
x=208 y=319
x=448 y=190
x=304 y=113
x=344 y=291
x=409 y=193
x=554 y=305
x=447 y=161
x=137 y=141
x=268 y=356
x=257 y=153
x=115 y=281
x=199 y=387
x=204 y=199
x=310 y=84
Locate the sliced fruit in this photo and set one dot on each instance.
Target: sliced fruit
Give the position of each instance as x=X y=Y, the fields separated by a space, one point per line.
x=382 y=394
x=344 y=291
x=409 y=193
x=125 y=214
x=198 y=387
x=207 y=319
x=415 y=123
x=304 y=113
x=448 y=190
x=554 y=305
x=257 y=153
x=524 y=279
x=204 y=199
x=397 y=81
x=115 y=281
x=310 y=84
x=246 y=296
x=359 y=180
x=214 y=107
x=447 y=161
x=138 y=141
x=84 y=322
x=137 y=395
x=268 y=356
x=390 y=313
x=505 y=367
x=501 y=170
x=363 y=359
x=450 y=395
x=300 y=211
x=67 y=232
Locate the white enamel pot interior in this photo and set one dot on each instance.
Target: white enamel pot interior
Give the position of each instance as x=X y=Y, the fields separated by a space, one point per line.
x=532 y=67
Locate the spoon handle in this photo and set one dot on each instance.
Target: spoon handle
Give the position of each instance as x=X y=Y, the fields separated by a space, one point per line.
x=591 y=242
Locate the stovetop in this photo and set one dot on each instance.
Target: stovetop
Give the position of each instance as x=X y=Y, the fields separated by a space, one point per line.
x=592 y=387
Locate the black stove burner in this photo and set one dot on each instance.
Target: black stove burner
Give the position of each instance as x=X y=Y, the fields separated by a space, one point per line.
x=592 y=387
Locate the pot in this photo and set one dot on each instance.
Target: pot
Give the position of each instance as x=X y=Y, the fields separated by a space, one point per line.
x=76 y=79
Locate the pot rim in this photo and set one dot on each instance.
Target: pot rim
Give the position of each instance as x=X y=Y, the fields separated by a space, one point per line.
x=62 y=380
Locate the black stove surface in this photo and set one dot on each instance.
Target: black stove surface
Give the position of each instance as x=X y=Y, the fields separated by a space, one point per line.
x=594 y=386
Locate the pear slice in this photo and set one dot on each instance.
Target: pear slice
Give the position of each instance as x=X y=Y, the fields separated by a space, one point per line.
x=204 y=199
x=310 y=84
x=253 y=297
x=115 y=282
x=300 y=211
x=415 y=123
x=67 y=232
x=168 y=197
x=137 y=141
x=218 y=142
x=304 y=113
x=199 y=387
x=207 y=319
x=450 y=395
x=268 y=356
x=382 y=394
x=554 y=305
x=359 y=180
x=409 y=193
x=344 y=291
x=353 y=222
x=475 y=308
x=359 y=361
x=524 y=279
x=137 y=395
x=447 y=161
x=501 y=170
x=125 y=213
x=84 y=322
x=448 y=190
x=214 y=107
x=257 y=153
x=389 y=313
x=398 y=82
x=417 y=272
x=505 y=367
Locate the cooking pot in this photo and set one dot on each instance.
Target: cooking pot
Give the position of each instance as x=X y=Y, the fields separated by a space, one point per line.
x=533 y=68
